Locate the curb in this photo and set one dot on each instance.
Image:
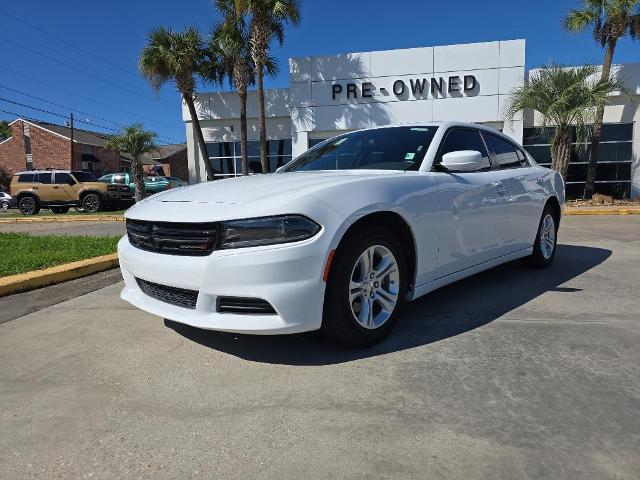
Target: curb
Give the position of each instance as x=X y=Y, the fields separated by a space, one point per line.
x=79 y=218
x=602 y=211
x=23 y=282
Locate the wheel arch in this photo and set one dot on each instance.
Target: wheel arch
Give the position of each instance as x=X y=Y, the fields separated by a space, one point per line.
x=554 y=203
x=25 y=193
x=398 y=226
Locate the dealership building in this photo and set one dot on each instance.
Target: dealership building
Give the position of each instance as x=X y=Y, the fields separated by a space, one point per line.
x=332 y=94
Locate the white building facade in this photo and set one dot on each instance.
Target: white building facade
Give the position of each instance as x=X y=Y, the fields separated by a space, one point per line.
x=329 y=95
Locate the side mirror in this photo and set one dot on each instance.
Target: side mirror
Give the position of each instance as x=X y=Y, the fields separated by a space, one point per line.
x=462 y=160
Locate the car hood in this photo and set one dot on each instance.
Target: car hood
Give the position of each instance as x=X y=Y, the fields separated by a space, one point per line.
x=243 y=197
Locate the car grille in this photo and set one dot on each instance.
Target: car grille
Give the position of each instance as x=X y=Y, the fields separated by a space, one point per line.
x=179 y=297
x=193 y=239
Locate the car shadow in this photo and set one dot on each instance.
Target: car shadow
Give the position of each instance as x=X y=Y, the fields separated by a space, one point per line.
x=444 y=313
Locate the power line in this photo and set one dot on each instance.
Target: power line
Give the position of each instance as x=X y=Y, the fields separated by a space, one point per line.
x=90 y=99
x=86 y=52
x=61 y=106
x=121 y=124
x=40 y=121
x=89 y=74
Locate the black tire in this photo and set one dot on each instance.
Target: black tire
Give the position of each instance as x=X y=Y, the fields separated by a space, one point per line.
x=4 y=205
x=29 y=205
x=541 y=258
x=59 y=209
x=339 y=321
x=92 y=203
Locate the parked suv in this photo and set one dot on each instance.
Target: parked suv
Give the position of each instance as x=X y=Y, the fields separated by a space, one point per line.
x=60 y=189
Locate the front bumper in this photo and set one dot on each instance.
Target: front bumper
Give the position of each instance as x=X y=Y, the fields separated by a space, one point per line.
x=288 y=276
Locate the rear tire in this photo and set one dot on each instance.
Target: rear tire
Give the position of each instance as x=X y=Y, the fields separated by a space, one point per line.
x=92 y=203
x=29 y=205
x=4 y=205
x=59 y=209
x=544 y=248
x=366 y=286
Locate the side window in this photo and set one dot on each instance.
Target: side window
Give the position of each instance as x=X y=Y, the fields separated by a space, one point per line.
x=44 y=178
x=504 y=151
x=106 y=178
x=62 y=178
x=524 y=161
x=26 y=178
x=465 y=139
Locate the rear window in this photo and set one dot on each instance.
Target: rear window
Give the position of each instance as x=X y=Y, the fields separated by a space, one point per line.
x=26 y=178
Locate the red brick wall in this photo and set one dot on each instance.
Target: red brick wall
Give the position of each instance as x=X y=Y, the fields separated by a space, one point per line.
x=179 y=165
x=49 y=150
x=12 y=156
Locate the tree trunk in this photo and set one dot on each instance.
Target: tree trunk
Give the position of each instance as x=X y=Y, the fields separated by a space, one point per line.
x=202 y=146
x=138 y=180
x=561 y=152
x=264 y=161
x=590 y=185
x=243 y=131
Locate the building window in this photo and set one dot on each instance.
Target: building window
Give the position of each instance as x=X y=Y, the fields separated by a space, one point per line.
x=615 y=156
x=226 y=160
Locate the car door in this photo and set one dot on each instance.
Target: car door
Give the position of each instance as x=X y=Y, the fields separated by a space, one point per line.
x=472 y=207
x=68 y=184
x=60 y=188
x=525 y=195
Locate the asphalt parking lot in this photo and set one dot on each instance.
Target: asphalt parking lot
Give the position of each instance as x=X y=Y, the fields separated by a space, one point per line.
x=513 y=373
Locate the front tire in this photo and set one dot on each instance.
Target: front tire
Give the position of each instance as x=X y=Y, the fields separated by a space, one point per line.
x=4 y=205
x=28 y=205
x=92 y=203
x=544 y=248
x=365 y=288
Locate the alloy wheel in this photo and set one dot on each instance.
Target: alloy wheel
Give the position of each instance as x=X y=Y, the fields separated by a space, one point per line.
x=374 y=286
x=27 y=206
x=91 y=203
x=547 y=236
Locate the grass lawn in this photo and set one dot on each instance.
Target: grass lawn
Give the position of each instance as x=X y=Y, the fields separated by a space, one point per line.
x=22 y=252
x=48 y=213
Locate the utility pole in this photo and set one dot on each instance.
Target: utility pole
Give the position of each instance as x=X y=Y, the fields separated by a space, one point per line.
x=71 y=126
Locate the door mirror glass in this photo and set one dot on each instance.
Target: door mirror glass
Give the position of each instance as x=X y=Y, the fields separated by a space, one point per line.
x=462 y=161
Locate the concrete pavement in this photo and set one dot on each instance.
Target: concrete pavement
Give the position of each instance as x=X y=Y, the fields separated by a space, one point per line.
x=513 y=373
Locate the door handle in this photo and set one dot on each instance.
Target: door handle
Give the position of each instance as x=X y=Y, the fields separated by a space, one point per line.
x=56 y=187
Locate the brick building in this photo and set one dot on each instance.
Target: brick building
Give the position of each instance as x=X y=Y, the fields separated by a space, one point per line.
x=39 y=145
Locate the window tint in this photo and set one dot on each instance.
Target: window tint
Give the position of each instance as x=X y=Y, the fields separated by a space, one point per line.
x=26 y=178
x=465 y=139
x=44 y=178
x=505 y=152
x=392 y=148
x=62 y=178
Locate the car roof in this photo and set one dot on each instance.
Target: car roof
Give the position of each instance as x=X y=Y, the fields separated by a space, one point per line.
x=43 y=171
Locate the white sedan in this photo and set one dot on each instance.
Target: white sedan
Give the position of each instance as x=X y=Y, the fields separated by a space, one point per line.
x=342 y=235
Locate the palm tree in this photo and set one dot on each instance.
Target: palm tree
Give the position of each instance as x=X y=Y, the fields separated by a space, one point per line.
x=611 y=20
x=229 y=42
x=136 y=141
x=178 y=57
x=565 y=98
x=268 y=19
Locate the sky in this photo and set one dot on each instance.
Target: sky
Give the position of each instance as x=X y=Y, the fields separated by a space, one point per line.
x=82 y=54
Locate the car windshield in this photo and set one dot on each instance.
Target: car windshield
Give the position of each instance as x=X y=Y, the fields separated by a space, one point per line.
x=85 y=176
x=391 y=148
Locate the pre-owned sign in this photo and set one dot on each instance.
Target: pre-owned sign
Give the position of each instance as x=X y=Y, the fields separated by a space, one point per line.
x=419 y=87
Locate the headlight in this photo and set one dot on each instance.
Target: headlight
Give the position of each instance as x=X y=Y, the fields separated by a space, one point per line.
x=255 y=232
